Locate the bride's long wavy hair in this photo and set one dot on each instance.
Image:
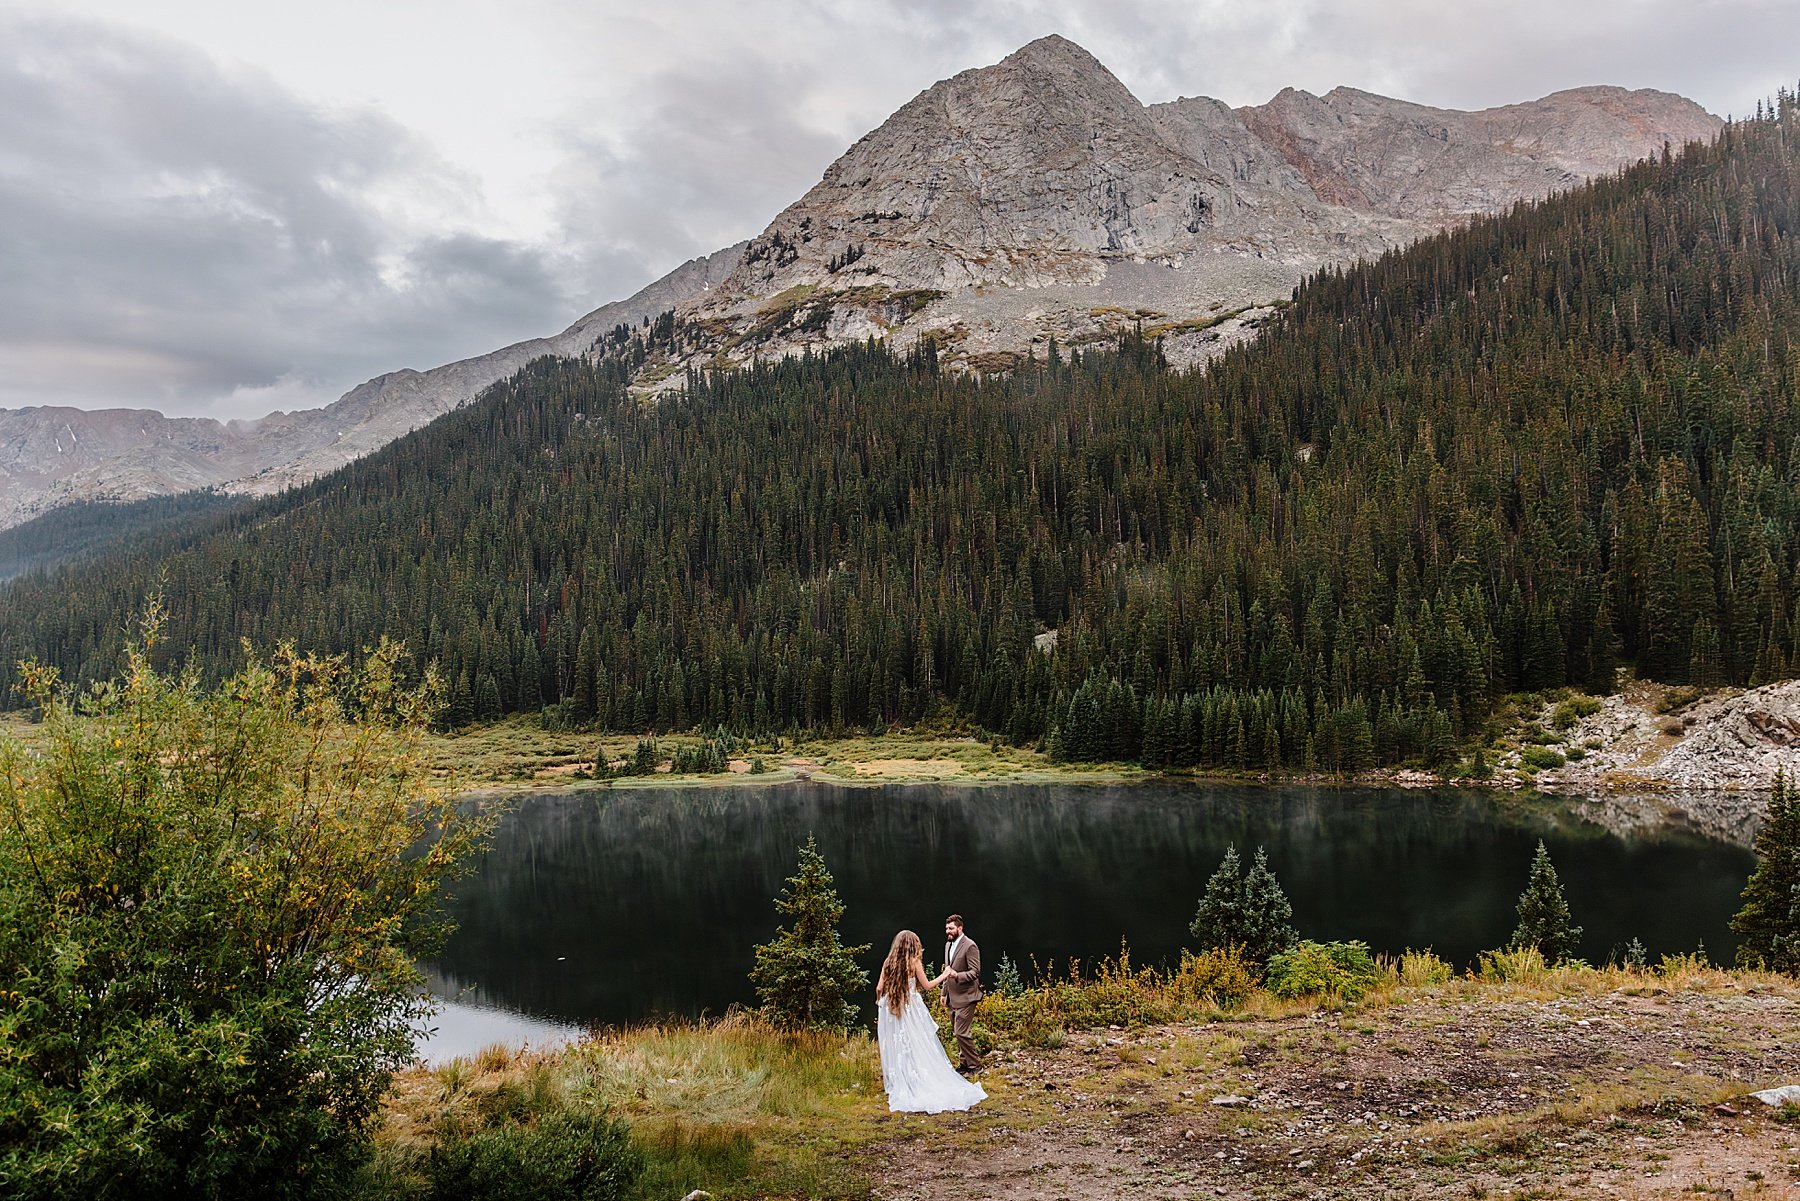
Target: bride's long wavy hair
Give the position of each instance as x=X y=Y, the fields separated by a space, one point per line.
x=899 y=970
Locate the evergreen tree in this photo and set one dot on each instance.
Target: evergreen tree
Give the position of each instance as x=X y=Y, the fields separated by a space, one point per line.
x=805 y=977
x=1768 y=926
x=1544 y=920
x=1249 y=911
x=1219 y=922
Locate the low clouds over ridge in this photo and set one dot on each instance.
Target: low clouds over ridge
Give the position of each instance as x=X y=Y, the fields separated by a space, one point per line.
x=177 y=234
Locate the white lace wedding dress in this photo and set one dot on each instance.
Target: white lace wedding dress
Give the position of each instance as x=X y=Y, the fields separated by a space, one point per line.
x=914 y=1068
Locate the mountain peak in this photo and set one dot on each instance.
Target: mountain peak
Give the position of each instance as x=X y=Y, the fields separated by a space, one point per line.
x=1053 y=49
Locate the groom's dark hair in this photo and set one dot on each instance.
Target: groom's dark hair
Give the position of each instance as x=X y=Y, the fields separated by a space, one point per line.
x=954 y=919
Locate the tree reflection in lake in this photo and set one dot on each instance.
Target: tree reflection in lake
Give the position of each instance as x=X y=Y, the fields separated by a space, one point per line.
x=616 y=905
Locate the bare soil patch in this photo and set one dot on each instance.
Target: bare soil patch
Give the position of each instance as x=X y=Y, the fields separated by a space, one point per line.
x=1469 y=1091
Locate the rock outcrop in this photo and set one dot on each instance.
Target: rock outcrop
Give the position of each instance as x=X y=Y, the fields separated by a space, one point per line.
x=1038 y=199
x=1031 y=200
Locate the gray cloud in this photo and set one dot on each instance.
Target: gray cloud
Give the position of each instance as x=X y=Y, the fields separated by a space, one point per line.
x=182 y=235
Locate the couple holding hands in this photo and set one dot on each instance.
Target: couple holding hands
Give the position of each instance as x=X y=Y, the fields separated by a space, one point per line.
x=914 y=1068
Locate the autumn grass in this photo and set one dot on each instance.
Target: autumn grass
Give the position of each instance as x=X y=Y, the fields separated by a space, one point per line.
x=740 y=1109
x=518 y=752
x=735 y=1107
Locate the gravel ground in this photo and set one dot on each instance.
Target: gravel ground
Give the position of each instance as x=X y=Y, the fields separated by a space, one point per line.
x=1471 y=1091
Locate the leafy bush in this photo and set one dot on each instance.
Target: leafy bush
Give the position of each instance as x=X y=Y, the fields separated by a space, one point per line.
x=1573 y=710
x=1514 y=965
x=1343 y=970
x=1219 y=976
x=1419 y=969
x=1537 y=758
x=582 y=1157
x=1677 y=698
x=1113 y=994
x=208 y=917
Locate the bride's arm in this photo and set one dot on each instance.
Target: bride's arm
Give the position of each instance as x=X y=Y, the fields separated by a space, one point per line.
x=919 y=976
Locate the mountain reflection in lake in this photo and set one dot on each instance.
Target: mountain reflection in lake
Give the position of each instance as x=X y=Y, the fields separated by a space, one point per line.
x=616 y=905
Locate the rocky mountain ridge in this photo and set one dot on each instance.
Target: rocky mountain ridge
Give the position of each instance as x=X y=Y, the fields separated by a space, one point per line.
x=1010 y=205
x=1038 y=199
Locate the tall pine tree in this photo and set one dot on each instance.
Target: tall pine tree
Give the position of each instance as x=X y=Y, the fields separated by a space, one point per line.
x=1768 y=926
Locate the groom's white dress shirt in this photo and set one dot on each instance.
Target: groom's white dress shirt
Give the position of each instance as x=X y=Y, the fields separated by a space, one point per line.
x=950 y=951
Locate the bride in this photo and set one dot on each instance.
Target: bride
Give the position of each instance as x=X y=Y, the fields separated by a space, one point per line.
x=914 y=1068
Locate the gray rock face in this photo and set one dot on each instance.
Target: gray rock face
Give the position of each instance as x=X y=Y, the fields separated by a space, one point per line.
x=1038 y=198
x=1030 y=200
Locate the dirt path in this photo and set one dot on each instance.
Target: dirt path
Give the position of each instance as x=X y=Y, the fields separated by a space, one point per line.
x=1621 y=1094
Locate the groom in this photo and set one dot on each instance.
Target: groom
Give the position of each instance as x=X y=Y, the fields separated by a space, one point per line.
x=962 y=990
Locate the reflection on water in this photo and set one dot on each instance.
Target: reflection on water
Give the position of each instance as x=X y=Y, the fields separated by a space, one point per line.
x=461 y=1027
x=617 y=905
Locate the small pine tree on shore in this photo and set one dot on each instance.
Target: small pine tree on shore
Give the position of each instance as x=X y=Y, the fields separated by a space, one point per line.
x=1768 y=926
x=805 y=976
x=1544 y=919
x=1245 y=910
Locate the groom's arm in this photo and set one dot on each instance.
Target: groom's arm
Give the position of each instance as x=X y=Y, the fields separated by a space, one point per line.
x=973 y=959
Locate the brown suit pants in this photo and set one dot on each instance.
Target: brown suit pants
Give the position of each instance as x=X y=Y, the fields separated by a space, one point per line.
x=962 y=1024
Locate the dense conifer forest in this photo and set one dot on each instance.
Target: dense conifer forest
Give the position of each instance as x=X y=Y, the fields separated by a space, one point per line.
x=1511 y=457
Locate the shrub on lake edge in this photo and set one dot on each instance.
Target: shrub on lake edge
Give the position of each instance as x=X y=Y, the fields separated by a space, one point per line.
x=1339 y=970
x=210 y=903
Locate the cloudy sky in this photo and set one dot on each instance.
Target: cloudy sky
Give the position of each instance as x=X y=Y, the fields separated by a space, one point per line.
x=223 y=207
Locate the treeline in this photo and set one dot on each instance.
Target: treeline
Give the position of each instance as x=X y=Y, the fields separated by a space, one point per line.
x=87 y=528
x=1511 y=457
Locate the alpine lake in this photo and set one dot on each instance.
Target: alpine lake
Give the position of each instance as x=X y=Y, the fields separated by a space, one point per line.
x=616 y=905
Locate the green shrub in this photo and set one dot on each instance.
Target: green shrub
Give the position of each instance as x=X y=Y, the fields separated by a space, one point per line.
x=1219 y=976
x=1514 y=965
x=1420 y=969
x=1343 y=970
x=1573 y=710
x=581 y=1157
x=1576 y=754
x=208 y=923
x=1677 y=698
x=1537 y=758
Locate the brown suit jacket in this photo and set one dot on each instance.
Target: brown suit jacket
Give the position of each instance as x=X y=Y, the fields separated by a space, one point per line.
x=963 y=987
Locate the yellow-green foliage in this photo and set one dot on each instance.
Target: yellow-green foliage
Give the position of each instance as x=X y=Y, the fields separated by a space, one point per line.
x=1421 y=969
x=1573 y=710
x=210 y=905
x=1518 y=965
x=1339 y=970
x=734 y=1105
x=1117 y=993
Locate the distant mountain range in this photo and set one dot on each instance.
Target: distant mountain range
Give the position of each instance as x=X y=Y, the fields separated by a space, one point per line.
x=1032 y=200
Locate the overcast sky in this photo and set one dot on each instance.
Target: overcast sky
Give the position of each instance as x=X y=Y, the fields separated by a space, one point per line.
x=223 y=207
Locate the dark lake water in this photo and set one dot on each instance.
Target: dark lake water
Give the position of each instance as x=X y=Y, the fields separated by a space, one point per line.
x=616 y=905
